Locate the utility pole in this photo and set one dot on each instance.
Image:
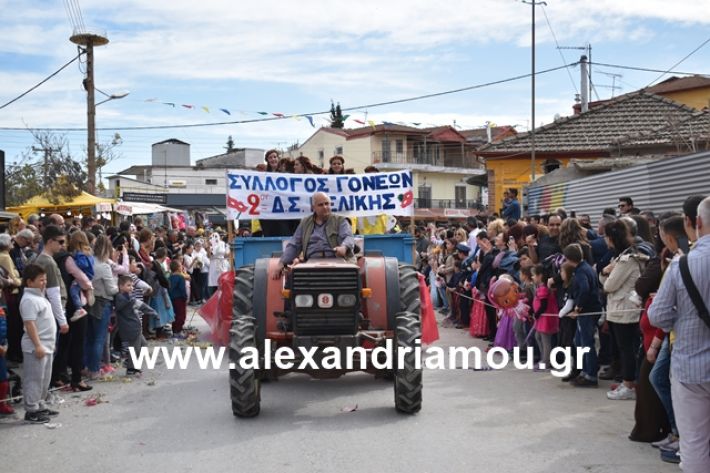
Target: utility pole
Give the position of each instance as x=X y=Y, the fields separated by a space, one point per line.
x=88 y=41
x=3 y=193
x=583 y=88
x=47 y=150
x=533 y=4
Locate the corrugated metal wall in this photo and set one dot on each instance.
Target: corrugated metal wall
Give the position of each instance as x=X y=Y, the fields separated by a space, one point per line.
x=660 y=186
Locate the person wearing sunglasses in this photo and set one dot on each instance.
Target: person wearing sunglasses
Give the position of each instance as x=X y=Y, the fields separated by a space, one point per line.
x=626 y=204
x=54 y=240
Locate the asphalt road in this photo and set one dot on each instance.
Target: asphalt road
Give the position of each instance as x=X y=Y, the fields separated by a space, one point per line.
x=181 y=421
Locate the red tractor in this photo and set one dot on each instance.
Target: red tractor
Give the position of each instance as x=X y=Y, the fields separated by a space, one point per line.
x=326 y=303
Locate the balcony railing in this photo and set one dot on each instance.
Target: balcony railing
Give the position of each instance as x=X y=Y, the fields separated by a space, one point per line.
x=404 y=158
x=423 y=203
x=430 y=159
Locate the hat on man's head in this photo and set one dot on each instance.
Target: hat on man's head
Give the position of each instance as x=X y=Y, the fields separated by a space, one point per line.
x=463 y=248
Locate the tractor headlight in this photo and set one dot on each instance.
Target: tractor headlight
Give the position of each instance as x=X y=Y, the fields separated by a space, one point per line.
x=304 y=300
x=347 y=300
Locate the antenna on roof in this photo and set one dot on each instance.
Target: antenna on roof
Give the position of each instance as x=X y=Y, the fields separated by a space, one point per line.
x=588 y=49
x=613 y=85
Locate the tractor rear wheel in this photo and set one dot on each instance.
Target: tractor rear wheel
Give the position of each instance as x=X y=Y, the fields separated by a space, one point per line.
x=244 y=387
x=407 y=377
x=409 y=289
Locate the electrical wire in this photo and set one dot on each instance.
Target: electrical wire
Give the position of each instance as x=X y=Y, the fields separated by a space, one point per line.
x=681 y=61
x=267 y=119
x=70 y=13
x=594 y=88
x=81 y=15
x=645 y=69
x=42 y=82
x=557 y=44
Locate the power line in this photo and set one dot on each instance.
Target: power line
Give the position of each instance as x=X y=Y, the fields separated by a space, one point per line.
x=70 y=13
x=564 y=60
x=298 y=115
x=645 y=69
x=81 y=15
x=679 y=62
x=42 y=82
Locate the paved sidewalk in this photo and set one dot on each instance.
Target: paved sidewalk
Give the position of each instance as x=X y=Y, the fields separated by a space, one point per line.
x=483 y=421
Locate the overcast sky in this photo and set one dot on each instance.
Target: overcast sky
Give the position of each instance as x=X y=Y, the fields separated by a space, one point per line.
x=291 y=57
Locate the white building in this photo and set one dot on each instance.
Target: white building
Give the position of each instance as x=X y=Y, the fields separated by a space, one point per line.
x=170 y=174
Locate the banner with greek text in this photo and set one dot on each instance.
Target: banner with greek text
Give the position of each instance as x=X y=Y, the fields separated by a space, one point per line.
x=276 y=196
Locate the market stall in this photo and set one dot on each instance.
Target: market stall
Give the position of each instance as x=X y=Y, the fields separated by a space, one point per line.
x=82 y=204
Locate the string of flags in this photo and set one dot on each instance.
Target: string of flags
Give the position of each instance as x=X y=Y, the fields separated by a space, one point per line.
x=313 y=120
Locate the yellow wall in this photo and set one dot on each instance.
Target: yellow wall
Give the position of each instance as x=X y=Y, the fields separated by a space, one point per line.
x=509 y=173
x=696 y=98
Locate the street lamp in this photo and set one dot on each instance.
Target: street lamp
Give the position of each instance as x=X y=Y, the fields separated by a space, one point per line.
x=533 y=4
x=112 y=97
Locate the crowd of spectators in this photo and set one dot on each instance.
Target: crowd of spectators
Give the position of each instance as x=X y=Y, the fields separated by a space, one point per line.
x=618 y=289
x=77 y=294
x=601 y=288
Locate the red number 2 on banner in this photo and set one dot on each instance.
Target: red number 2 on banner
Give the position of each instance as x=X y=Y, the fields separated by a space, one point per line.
x=254 y=201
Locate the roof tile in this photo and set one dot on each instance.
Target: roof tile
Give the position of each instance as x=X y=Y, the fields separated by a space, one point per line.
x=600 y=128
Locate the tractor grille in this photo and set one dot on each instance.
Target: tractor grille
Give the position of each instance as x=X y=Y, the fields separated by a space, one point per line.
x=321 y=323
x=318 y=321
x=337 y=280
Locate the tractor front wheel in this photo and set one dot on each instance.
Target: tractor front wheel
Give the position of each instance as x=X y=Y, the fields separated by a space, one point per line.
x=407 y=377
x=244 y=387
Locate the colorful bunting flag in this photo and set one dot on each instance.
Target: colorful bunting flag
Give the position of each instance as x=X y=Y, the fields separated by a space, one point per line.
x=312 y=119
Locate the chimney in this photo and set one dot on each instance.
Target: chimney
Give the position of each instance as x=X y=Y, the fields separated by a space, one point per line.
x=584 y=89
x=488 y=132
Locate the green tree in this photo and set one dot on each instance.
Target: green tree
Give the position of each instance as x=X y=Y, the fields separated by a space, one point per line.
x=46 y=168
x=336 y=116
x=339 y=115
x=230 y=145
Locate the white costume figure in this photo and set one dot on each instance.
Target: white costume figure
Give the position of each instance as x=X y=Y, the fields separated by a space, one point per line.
x=219 y=260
